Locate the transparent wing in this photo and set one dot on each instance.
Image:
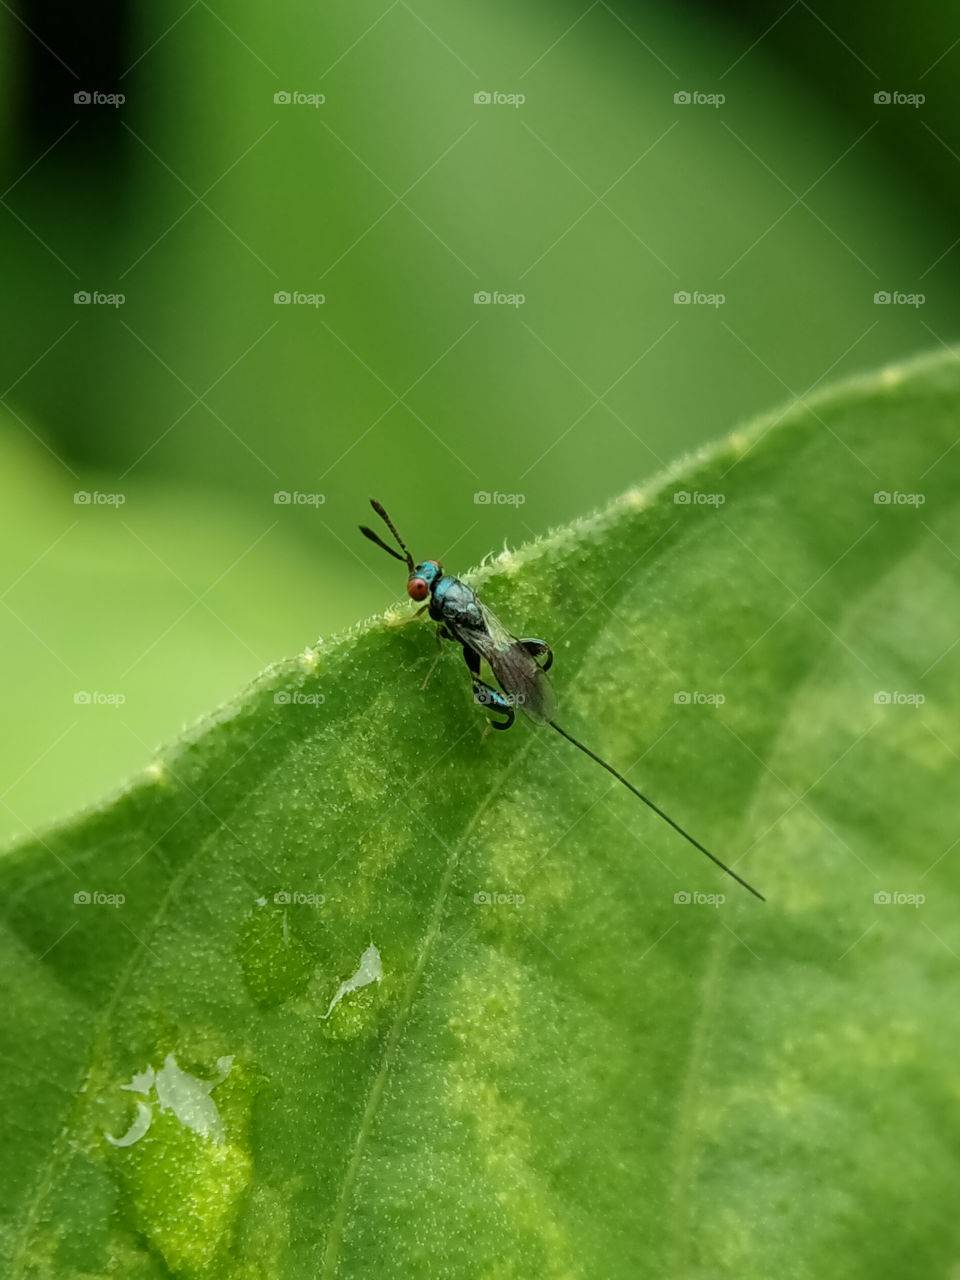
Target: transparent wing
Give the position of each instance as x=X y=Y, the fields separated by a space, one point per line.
x=517 y=672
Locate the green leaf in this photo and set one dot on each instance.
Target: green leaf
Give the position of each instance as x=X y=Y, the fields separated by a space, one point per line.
x=601 y=1079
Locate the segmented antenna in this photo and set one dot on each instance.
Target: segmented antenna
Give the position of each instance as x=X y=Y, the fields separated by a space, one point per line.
x=406 y=558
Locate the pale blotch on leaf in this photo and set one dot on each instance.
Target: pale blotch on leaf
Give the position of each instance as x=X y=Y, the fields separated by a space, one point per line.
x=492 y=1007
x=186 y=1096
x=142 y=1081
x=189 y=1097
x=368 y=970
x=185 y=1181
x=515 y=845
x=393 y=840
x=136 y=1131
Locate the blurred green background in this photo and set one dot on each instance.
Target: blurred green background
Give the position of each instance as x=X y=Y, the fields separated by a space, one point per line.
x=401 y=197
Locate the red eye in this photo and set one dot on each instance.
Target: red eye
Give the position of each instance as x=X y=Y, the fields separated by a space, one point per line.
x=417 y=589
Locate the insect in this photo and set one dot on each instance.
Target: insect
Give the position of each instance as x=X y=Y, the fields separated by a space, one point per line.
x=518 y=665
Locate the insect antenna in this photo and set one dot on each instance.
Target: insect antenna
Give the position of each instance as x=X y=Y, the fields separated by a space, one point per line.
x=406 y=558
x=368 y=533
x=656 y=809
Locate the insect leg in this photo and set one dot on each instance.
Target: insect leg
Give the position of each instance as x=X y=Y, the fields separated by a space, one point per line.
x=402 y=622
x=485 y=694
x=442 y=634
x=536 y=648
